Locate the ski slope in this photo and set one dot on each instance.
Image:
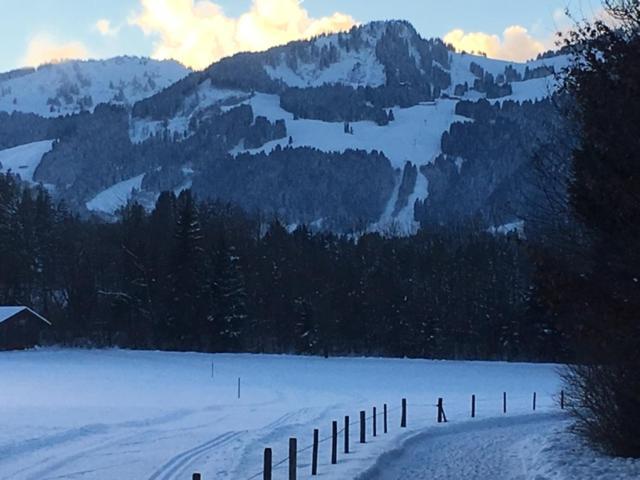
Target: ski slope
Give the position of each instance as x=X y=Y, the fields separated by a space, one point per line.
x=110 y=200
x=24 y=159
x=100 y=415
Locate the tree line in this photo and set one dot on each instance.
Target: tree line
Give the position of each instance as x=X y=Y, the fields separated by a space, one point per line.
x=205 y=276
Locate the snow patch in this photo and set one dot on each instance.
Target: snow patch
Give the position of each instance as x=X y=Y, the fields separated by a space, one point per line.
x=24 y=159
x=115 y=197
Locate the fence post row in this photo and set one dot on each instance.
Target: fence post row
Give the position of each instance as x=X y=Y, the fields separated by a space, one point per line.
x=314 y=453
x=403 y=418
x=293 y=443
x=293 y=458
x=346 y=434
x=266 y=468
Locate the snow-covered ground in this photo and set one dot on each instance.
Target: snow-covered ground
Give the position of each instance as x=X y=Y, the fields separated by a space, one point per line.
x=107 y=414
x=110 y=200
x=24 y=159
x=148 y=415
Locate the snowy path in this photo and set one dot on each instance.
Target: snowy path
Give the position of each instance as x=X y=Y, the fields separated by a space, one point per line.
x=492 y=449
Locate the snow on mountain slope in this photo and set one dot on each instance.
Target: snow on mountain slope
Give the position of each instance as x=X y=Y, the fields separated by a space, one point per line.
x=414 y=136
x=356 y=68
x=116 y=414
x=72 y=86
x=206 y=96
x=111 y=199
x=24 y=159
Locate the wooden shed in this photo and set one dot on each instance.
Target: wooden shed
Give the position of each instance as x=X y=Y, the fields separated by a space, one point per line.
x=20 y=328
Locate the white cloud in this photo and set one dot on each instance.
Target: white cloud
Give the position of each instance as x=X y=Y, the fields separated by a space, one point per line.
x=199 y=33
x=43 y=49
x=105 y=28
x=516 y=43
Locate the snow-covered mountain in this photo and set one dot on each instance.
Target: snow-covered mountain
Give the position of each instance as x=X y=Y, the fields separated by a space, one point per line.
x=376 y=127
x=73 y=86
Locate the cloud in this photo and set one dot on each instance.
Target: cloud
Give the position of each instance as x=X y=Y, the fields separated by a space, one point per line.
x=199 y=33
x=42 y=49
x=516 y=43
x=105 y=28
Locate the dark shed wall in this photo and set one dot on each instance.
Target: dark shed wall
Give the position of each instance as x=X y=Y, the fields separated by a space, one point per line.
x=21 y=331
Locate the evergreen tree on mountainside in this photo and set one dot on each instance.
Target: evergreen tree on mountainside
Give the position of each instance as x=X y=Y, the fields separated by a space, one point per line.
x=592 y=283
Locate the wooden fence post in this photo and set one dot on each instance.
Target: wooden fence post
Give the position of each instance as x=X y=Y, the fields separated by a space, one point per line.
x=384 y=418
x=534 y=401
x=238 y=388
x=293 y=458
x=473 y=406
x=504 y=402
x=346 y=434
x=266 y=469
x=441 y=416
x=363 y=434
x=314 y=453
x=334 y=443
x=403 y=418
x=561 y=399
x=375 y=422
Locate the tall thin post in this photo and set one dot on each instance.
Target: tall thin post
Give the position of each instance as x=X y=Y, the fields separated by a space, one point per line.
x=293 y=458
x=403 y=418
x=504 y=402
x=314 y=454
x=561 y=399
x=238 y=388
x=267 y=465
x=363 y=434
x=534 y=401
x=375 y=422
x=334 y=442
x=441 y=417
x=473 y=406
x=346 y=434
x=384 y=418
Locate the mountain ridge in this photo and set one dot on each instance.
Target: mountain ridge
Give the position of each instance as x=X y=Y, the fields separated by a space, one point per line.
x=378 y=89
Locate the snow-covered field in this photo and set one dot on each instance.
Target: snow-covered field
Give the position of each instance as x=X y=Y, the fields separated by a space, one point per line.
x=148 y=415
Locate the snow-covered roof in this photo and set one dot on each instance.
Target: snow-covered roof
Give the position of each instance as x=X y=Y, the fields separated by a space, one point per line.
x=9 y=312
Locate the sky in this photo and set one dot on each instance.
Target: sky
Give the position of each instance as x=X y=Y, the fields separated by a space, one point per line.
x=199 y=32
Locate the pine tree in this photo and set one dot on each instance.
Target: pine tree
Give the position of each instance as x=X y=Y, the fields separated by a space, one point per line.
x=189 y=298
x=229 y=298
